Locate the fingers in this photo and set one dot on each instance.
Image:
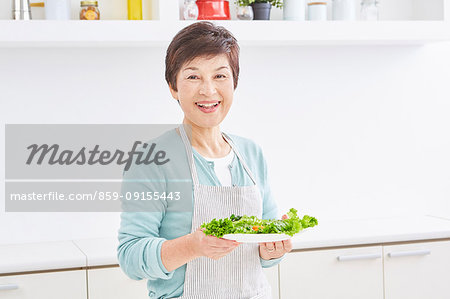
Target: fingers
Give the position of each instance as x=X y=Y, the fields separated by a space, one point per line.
x=287 y=244
x=217 y=242
x=270 y=246
x=222 y=251
x=279 y=246
x=216 y=248
x=222 y=243
x=274 y=246
x=217 y=252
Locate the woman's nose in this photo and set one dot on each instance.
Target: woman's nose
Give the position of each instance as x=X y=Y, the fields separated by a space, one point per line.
x=207 y=88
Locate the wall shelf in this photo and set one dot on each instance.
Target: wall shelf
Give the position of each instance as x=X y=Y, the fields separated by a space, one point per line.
x=122 y=33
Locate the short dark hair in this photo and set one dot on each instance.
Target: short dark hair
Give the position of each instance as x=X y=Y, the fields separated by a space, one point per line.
x=201 y=39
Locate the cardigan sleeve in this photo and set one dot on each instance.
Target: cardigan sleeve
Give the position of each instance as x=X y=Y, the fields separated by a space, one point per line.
x=139 y=250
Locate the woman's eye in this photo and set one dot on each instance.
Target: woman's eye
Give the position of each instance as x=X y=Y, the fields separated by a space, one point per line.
x=192 y=77
x=221 y=76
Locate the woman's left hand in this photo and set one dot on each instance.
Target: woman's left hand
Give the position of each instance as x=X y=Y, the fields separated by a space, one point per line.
x=274 y=250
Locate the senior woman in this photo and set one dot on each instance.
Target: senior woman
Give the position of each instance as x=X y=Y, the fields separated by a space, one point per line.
x=229 y=176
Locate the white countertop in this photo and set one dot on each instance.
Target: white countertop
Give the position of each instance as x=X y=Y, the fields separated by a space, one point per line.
x=40 y=256
x=99 y=252
x=102 y=251
x=326 y=234
x=372 y=231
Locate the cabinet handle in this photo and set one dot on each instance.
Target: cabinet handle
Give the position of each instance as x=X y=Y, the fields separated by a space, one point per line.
x=11 y=286
x=409 y=253
x=371 y=256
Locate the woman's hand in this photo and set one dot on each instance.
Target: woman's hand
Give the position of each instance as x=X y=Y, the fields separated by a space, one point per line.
x=210 y=246
x=274 y=250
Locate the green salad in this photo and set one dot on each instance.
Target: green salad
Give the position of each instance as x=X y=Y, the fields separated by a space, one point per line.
x=291 y=225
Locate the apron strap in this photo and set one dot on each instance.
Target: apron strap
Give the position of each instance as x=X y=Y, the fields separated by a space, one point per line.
x=190 y=154
x=234 y=148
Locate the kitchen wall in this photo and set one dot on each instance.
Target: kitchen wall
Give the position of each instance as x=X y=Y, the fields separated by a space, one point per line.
x=348 y=131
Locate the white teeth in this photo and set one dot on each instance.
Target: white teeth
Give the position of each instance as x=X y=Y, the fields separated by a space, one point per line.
x=208 y=105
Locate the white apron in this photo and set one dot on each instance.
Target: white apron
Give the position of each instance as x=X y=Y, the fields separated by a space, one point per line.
x=239 y=274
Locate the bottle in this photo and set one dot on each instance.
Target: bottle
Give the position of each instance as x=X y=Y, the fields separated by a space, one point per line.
x=317 y=11
x=134 y=9
x=294 y=10
x=89 y=10
x=369 y=10
x=21 y=10
x=344 y=10
x=190 y=10
x=57 y=9
x=38 y=10
x=16 y=10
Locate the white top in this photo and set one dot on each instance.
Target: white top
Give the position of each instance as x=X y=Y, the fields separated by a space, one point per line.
x=221 y=168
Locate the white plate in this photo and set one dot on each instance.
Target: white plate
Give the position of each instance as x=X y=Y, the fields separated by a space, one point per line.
x=256 y=238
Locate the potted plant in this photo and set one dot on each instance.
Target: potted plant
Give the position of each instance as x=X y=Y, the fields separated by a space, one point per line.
x=261 y=8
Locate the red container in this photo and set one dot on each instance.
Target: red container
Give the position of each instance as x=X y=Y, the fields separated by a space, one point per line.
x=213 y=10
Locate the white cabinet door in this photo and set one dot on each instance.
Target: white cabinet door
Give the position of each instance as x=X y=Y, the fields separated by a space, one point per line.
x=420 y=270
x=112 y=283
x=272 y=277
x=334 y=273
x=51 y=285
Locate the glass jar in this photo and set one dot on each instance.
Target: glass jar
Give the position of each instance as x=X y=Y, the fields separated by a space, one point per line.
x=244 y=13
x=344 y=10
x=369 y=10
x=89 y=10
x=294 y=10
x=190 y=10
x=317 y=11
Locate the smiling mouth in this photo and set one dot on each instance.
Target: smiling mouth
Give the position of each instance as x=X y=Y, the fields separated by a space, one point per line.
x=209 y=105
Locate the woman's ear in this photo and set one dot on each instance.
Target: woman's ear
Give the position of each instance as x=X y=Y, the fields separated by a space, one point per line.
x=173 y=92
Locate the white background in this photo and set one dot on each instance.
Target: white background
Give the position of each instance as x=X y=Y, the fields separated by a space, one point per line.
x=348 y=131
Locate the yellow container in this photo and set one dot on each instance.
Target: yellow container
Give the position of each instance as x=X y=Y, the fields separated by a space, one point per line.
x=134 y=9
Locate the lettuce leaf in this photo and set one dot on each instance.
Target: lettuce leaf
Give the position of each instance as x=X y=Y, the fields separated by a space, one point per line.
x=252 y=225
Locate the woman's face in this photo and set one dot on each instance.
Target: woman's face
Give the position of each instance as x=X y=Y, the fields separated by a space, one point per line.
x=205 y=90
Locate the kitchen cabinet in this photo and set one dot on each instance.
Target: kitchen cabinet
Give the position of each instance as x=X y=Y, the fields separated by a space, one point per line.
x=415 y=270
x=51 y=285
x=389 y=258
x=272 y=277
x=333 y=273
x=113 y=283
x=419 y=270
x=107 y=280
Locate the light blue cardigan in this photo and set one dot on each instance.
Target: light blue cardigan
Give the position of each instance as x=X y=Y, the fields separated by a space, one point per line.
x=141 y=234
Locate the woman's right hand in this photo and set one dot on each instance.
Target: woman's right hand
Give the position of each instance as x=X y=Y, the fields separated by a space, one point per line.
x=210 y=246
